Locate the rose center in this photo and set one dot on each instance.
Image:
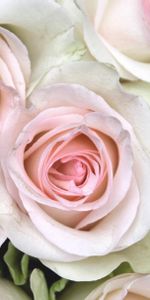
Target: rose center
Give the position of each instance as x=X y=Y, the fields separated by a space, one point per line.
x=69 y=169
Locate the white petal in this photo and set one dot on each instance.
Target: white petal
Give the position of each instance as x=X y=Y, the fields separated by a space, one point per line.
x=39 y=24
x=105 y=82
x=10 y=291
x=3 y=236
x=95 y=268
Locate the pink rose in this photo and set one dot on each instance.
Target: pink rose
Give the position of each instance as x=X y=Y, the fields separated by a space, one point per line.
x=123 y=287
x=14 y=76
x=118 y=33
x=74 y=168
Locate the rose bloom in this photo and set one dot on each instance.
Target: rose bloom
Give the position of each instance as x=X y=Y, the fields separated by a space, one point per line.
x=76 y=173
x=117 y=32
x=14 y=77
x=123 y=287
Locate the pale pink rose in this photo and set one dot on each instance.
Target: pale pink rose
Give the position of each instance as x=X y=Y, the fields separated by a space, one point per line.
x=73 y=166
x=118 y=32
x=14 y=76
x=123 y=287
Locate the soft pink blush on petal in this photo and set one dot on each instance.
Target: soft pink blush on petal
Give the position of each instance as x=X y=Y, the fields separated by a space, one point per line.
x=125 y=28
x=82 y=242
x=14 y=68
x=20 y=52
x=5 y=74
x=8 y=101
x=146 y=10
x=124 y=167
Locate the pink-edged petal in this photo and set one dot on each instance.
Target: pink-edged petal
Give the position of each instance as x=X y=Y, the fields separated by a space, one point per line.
x=68 y=217
x=122 y=139
x=20 y=52
x=11 y=103
x=21 y=231
x=141 y=170
x=14 y=68
x=87 y=243
x=5 y=75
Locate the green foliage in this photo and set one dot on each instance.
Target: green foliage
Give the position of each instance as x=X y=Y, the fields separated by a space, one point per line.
x=17 y=263
x=37 y=281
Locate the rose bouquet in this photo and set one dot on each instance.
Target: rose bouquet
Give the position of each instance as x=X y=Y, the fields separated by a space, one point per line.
x=75 y=149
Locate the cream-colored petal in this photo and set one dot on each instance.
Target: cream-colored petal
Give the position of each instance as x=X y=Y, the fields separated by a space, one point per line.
x=95 y=268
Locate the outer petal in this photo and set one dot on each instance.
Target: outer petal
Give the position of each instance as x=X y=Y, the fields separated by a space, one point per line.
x=90 y=7
x=17 y=61
x=82 y=243
x=104 y=52
x=22 y=232
x=136 y=68
x=95 y=268
x=73 y=11
x=138 y=88
x=105 y=82
x=129 y=33
x=9 y=101
x=42 y=22
x=3 y=236
x=9 y=291
x=134 y=286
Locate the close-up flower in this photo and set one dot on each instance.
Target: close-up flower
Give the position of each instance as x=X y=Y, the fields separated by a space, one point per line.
x=74 y=141
x=75 y=170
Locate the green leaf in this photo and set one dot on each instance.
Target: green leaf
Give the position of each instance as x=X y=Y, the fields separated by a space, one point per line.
x=17 y=263
x=58 y=286
x=38 y=285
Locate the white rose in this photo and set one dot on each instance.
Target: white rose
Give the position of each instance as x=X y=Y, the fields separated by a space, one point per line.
x=117 y=32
